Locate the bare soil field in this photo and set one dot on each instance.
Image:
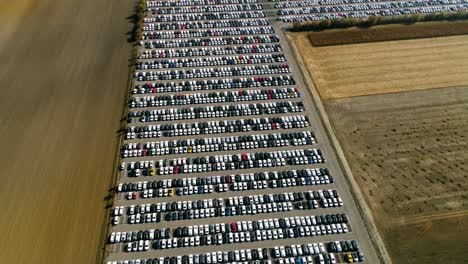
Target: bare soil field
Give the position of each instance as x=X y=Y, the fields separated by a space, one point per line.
x=388 y=32
x=408 y=152
x=385 y=67
x=63 y=79
x=11 y=14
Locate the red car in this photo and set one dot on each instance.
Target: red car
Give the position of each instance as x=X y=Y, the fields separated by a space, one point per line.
x=233 y=227
x=244 y=157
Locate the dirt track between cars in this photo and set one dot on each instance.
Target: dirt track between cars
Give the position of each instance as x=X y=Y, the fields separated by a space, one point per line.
x=63 y=77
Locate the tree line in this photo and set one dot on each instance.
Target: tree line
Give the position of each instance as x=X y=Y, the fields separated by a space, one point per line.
x=376 y=20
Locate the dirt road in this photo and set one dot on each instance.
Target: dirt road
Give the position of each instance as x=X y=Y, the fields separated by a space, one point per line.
x=63 y=78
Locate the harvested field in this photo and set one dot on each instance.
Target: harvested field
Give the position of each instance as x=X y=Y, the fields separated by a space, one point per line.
x=408 y=152
x=64 y=75
x=385 y=67
x=11 y=14
x=431 y=241
x=388 y=32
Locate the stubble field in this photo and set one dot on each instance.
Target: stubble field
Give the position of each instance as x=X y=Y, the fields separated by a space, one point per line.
x=406 y=142
x=385 y=67
x=408 y=153
x=63 y=79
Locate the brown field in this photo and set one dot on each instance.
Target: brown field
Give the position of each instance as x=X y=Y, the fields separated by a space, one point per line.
x=385 y=67
x=388 y=32
x=408 y=152
x=63 y=79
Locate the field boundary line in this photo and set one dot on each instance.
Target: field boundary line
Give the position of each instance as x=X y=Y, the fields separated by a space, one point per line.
x=106 y=226
x=356 y=192
x=440 y=196
x=429 y=217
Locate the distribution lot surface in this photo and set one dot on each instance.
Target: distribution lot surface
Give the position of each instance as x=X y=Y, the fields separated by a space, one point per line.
x=408 y=152
x=180 y=169
x=384 y=67
x=388 y=32
x=63 y=75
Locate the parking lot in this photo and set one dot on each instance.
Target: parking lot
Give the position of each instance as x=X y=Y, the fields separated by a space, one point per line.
x=225 y=159
x=311 y=10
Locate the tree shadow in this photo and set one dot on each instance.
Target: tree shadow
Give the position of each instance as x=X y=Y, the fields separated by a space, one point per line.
x=133 y=20
x=108 y=197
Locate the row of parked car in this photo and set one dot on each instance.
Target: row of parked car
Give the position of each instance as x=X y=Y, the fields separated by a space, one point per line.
x=250 y=158
x=274 y=179
x=227 y=211
x=309 y=7
x=283 y=224
x=244 y=256
x=198 y=33
x=210 y=16
x=236 y=201
x=244 y=22
x=217 y=144
x=292 y=254
x=348 y=5
x=232 y=178
x=211 y=72
x=212 y=41
x=196 y=2
x=292 y=11
x=216 y=127
x=219 y=111
x=237 y=162
x=233 y=187
x=205 y=9
x=236 y=186
x=184 y=210
x=131 y=236
x=139 y=214
x=210 y=61
x=271 y=233
x=133 y=151
x=258 y=225
x=325 y=252
x=210 y=51
x=214 y=84
x=293 y=138
x=214 y=97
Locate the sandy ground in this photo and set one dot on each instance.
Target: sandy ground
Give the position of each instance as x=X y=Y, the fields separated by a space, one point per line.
x=63 y=79
x=408 y=152
x=384 y=67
